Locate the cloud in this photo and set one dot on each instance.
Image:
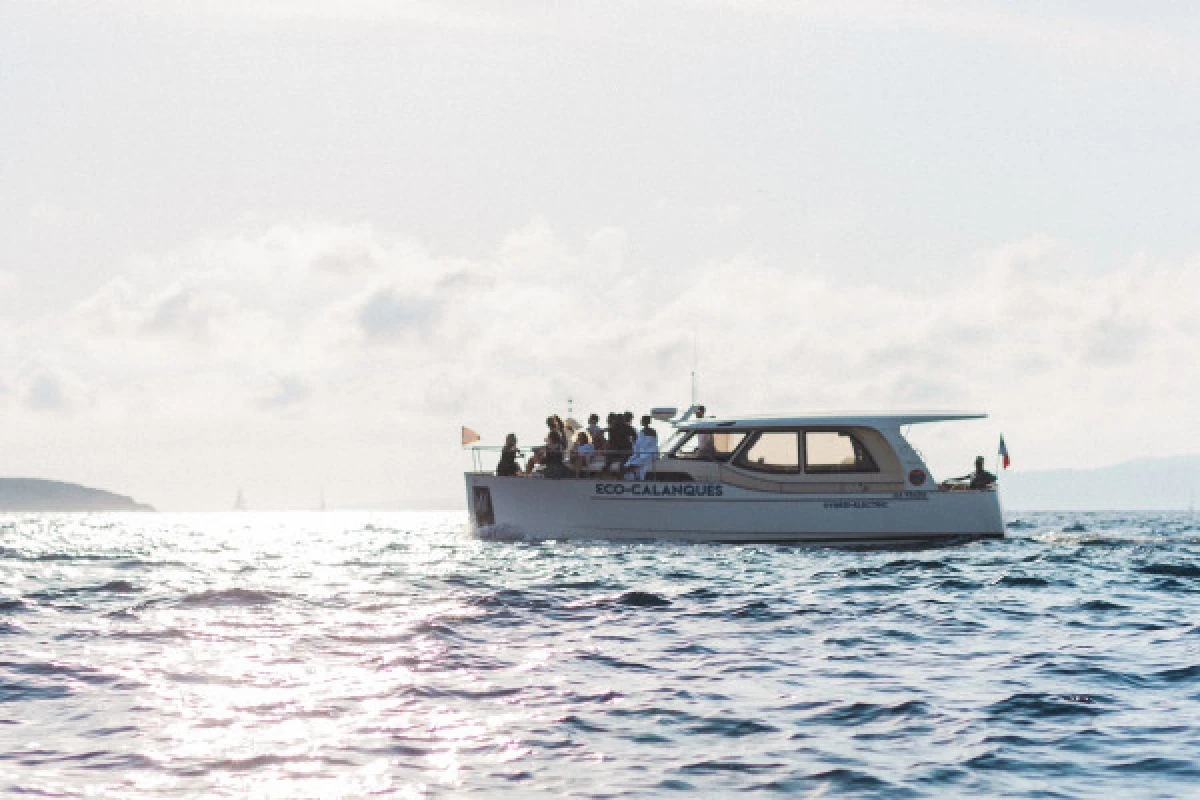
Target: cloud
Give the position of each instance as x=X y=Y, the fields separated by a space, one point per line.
x=1077 y=39
x=253 y=331
x=465 y=16
x=388 y=313
x=187 y=311
x=285 y=391
x=43 y=389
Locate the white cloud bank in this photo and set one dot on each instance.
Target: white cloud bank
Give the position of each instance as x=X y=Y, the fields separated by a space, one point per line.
x=1078 y=36
x=296 y=360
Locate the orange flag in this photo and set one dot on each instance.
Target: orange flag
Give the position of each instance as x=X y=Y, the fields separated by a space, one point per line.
x=468 y=436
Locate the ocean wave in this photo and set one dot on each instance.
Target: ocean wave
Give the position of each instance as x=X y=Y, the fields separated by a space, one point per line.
x=855 y=714
x=1102 y=605
x=117 y=587
x=1024 y=581
x=578 y=723
x=1180 y=674
x=1042 y=705
x=730 y=727
x=1157 y=765
x=1171 y=570
x=760 y=610
x=419 y=656
x=960 y=584
x=214 y=598
x=658 y=714
x=913 y=563
x=616 y=663
x=703 y=767
x=1032 y=767
x=13 y=691
x=642 y=599
x=855 y=781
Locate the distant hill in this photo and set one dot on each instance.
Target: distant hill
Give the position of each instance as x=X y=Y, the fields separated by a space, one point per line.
x=1148 y=484
x=33 y=494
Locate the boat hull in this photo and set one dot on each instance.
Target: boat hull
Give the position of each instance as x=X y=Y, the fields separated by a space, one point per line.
x=536 y=508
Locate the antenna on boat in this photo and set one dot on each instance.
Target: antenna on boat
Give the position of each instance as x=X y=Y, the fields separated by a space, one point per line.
x=694 y=362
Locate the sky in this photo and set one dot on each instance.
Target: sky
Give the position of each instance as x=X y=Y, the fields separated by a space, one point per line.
x=291 y=246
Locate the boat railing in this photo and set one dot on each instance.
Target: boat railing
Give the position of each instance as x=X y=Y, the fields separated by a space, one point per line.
x=484 y=455
x=602 y=465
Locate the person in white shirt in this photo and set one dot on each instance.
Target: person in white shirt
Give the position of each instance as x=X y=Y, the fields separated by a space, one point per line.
x=645 y=451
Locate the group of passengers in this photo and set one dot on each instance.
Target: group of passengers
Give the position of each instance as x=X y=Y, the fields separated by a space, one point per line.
x=619 y=449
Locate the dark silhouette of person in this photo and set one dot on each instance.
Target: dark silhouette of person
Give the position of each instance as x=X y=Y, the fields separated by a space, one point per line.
x=555 y=468
x=620 y=443
x=508 y=458
x=980 y=478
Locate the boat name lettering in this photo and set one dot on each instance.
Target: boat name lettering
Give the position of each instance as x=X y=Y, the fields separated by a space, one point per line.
x=857 y=504
x=661 y=489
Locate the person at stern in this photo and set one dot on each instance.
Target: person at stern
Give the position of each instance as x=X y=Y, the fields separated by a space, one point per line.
x=980 y=478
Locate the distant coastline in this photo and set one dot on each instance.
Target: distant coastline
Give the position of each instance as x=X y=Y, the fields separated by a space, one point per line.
x=35 y=494
x=1147 y=484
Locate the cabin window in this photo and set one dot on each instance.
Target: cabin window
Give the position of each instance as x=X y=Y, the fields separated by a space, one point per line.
x=836 y=451
x=772 y=451
x=723 y=445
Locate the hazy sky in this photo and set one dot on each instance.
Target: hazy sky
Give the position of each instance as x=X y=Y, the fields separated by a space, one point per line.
x=291 y=245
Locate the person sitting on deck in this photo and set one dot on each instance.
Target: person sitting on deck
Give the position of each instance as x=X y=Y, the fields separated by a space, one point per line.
x=980 y=478
x=508 y=458
x=645 y=451
x=554 y=424
x=554 y=456
x=596 y=433
x=620 y=443
x=582 y=451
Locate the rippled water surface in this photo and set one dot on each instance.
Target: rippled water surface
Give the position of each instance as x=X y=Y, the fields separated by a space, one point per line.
x=326 y=655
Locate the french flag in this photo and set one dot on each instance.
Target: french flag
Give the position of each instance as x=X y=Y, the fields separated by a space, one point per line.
x=1003 y=452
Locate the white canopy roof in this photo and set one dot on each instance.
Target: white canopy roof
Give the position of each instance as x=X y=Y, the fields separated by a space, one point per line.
x=864 y=420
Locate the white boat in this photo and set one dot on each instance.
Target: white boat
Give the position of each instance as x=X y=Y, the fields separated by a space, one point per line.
x=816 y=479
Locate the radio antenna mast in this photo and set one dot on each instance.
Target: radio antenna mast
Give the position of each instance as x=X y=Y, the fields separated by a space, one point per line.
x=694 y=364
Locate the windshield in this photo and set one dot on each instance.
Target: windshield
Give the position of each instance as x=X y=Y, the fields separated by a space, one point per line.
x=707 y=445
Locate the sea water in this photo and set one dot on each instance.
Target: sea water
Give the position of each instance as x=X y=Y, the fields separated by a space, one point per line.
x=344 y=655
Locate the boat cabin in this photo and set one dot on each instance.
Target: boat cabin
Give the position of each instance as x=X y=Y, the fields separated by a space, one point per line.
x=819 y=454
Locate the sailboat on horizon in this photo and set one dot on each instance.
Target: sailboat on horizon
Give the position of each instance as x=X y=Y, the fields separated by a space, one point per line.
x=239 y=503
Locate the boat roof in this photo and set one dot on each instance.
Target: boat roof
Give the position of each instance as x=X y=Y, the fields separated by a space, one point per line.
x=863 y=420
